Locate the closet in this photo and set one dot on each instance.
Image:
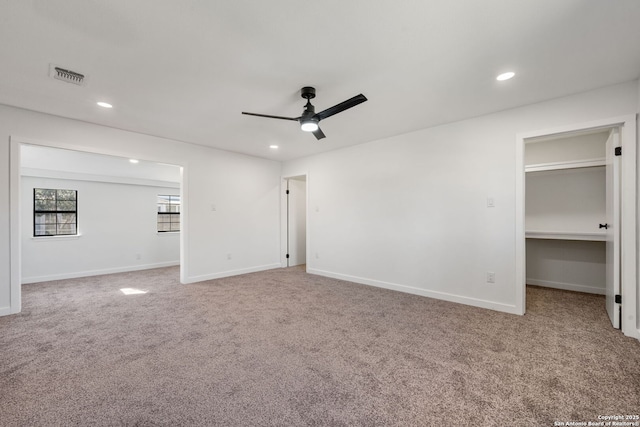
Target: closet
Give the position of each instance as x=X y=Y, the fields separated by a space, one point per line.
x=566 y=211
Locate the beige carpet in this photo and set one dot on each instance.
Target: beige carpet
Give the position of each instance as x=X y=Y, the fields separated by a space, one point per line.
x=283 y=348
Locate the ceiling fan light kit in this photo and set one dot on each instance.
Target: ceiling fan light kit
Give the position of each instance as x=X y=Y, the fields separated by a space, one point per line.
x=310 y=120
x=309 y=125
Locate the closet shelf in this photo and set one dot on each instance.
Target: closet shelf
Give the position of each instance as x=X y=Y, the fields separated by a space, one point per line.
x=595 y=236
x=588 y=163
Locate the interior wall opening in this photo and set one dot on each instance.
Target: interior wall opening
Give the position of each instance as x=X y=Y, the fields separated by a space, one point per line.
x=125 y=214
x=296 y=221
x=572 y=214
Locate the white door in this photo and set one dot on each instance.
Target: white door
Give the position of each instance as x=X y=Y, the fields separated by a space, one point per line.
x=613 y=228
x=297 y=221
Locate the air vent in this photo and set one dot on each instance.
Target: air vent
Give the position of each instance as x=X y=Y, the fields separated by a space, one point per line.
x=66 y=75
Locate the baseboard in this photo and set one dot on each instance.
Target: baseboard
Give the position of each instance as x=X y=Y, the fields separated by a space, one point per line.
x=567 y=286
x=229 y=273
x=74 y=275
x=476 y=302
x=5 y=311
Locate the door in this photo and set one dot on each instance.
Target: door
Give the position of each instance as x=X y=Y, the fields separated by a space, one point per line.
x=613 y=229
x=297 y=221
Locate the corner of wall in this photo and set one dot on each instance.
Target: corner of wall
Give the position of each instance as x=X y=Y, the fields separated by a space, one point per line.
x=638 y=208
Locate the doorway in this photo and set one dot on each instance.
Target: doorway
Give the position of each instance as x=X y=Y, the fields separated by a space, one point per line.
x=45 y=165
x=571 y=214
x=296 y=220
x=626 y=230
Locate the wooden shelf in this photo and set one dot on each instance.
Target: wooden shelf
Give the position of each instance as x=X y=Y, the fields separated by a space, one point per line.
x=574 y=164
x=594 y=236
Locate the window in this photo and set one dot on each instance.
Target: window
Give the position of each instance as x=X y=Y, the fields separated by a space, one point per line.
x=168 y=213
x=55 y=212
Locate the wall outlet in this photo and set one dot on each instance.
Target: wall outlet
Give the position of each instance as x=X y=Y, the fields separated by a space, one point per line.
x=491 y=202
x=138 y=256
x=317 y=256
x=491 y=277
x=228 y=256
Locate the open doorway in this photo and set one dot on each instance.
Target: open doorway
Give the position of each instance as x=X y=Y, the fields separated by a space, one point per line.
x=79 y=214
x=296 y=221
x=570 y=211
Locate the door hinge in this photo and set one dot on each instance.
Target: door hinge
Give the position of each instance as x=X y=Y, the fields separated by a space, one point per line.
x=287 y=191
x=618 y=151
x=287 y=256
x=618 y=299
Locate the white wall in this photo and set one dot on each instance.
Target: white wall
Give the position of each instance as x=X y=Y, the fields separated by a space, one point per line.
x=567 y=264
x=410 y=212
x=117 y=232
x=39 y=158
x=5 y=246
x=571 y=200
x=580 y=147
x=638 y=198
x=244 y=189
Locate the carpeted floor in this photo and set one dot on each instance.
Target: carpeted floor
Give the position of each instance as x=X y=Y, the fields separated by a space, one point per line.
x=283 y=348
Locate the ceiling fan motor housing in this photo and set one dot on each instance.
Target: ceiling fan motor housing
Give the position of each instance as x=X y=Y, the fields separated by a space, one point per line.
x=308 y=92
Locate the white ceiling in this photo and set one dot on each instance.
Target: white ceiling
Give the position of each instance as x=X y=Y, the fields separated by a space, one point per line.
x=186 y=69
x=39 y=158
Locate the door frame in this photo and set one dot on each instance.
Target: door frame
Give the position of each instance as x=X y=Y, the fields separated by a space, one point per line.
x=613 y=234
x=628 y=210
x=283 y=217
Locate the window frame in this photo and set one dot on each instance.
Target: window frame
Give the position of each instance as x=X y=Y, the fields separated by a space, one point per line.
x=55 y=212
x=177 y=197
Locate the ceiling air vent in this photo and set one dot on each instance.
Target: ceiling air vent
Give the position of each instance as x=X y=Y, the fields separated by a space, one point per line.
x=66 y=75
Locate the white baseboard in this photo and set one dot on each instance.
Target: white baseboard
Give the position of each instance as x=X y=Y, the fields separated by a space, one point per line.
x=5 y=311
x=229 y=273
x=567 y=286
x=73 y=275
x=506 y=308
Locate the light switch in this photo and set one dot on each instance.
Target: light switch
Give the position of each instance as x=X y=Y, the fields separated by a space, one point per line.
x=490 y=202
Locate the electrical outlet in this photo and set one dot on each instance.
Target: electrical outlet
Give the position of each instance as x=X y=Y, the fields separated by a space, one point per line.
x=228 y=256
x=491 y=202
x=317 y=255
x=491 y=277
x=138 y=256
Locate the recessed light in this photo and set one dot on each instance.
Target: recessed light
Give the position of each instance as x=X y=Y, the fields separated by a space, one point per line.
x=505 y=76
x=273 y=147
x=134 y=160
x=104 y=104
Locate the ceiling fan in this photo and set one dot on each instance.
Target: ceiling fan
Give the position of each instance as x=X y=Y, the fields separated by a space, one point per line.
x=309 y=120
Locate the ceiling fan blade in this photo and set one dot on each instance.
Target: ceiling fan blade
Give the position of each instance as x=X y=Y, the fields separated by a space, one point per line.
x=318 y=134
x=295 y=119
x=358 y=99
